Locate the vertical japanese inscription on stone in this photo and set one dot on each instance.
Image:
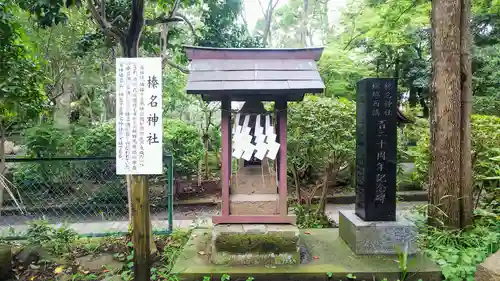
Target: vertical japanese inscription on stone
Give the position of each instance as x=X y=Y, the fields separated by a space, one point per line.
x=139 y=116
x=376 y=148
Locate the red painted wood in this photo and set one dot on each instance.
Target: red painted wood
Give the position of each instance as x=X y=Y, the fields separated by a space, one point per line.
x=281 y=106
x=226 y=154
x=254 y=219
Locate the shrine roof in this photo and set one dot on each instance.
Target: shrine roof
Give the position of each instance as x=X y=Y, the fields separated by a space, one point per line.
x=253 y=73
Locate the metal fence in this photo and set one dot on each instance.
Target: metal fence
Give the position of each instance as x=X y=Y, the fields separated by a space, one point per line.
x=84 y=192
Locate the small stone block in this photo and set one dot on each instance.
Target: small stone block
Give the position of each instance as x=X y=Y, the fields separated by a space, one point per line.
x=245 y=244
x=254 y=204
x=287 y=230
x=254 y=228
x=377 y=238
x=225 y=258
x=229 y=228
x=489 y=270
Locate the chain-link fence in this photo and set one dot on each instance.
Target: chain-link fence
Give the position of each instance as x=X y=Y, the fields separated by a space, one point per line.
x=84 y=192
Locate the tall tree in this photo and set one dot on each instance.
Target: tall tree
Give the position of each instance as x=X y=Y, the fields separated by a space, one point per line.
x=125 y=28
x=22 y=97
x=220 y=27
x=267 y=12
x=450 y=194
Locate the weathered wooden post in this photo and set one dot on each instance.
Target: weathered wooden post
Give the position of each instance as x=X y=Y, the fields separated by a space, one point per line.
x=139 y=141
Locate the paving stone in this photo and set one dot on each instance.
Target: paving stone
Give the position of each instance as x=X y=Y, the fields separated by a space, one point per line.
x=254 y=228
x=229 y=228
x=95 y=264
x=286 y=229
x=254 y=204
x=489 y=270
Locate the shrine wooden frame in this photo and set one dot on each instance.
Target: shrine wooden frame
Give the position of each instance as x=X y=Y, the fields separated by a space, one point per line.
x=226 y=170
x=278 y=75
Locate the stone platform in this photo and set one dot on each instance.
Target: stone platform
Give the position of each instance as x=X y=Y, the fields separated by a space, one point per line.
x=251 y=244
x=377 y=238
x=326 y=253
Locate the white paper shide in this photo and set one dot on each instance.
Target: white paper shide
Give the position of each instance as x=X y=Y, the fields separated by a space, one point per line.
x=139 y=123
x=263 y=143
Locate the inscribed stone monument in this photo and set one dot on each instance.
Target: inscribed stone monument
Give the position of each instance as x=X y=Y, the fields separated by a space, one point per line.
x=376 y=148
x=373 y=228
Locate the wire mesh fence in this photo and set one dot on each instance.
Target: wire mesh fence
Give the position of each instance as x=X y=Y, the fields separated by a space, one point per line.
x=82 y=191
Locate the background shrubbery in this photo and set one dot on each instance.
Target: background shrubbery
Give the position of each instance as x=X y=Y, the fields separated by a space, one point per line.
x=485 y=153
x=48 y=141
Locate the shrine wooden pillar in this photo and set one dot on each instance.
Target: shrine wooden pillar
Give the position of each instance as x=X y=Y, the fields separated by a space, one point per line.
x=281 y=108
x=226 y=169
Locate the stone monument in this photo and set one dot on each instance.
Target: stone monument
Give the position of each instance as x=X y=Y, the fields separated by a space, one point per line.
x=374 y=227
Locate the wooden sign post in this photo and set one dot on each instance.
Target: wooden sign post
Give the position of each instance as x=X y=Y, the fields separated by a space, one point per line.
x=139 y=128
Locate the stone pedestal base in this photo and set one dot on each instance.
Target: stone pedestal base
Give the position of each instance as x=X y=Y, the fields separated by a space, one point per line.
x=377 y=238
x=255 y=244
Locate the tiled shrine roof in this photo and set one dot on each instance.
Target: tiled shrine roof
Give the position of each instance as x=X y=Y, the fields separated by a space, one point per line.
x=242 y=73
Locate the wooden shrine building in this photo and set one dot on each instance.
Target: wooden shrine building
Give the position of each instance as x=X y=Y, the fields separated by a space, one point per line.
x=255 y=192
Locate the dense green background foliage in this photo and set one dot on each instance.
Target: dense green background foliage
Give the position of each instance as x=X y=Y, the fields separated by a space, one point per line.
x=57 y=91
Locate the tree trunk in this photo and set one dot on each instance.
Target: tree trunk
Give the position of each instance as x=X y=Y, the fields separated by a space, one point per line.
x=139 y=184
x=412 y=99
x=425 y=108
x=444 y=184
x=268 y=15
x=324 y=191
x=466 y=187
x=2 y=163
x=205 y=158
x=296 y=180
x=303 y=33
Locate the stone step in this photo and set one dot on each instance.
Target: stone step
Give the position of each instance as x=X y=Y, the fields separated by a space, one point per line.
x=252 y=244
x=253 y=184
x=253 y=204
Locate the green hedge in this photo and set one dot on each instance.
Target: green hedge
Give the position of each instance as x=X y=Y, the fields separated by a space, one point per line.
x=180 y=139
x=485 y=147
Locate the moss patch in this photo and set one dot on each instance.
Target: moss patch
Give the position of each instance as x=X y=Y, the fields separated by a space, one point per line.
x=256 y=243
x=333 y=255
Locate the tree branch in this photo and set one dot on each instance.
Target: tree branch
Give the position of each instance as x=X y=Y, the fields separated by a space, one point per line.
x=179 y=67
x=262 y=9
x=135 y=28
x=105 y=26
x=176 y=17
x=185 y=19
x=162 y=19
x=276 y=4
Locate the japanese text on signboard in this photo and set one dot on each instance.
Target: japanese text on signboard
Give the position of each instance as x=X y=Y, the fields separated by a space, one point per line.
x=139 y=116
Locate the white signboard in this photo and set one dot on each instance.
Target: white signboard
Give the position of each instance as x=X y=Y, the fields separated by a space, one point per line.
x=139 y=127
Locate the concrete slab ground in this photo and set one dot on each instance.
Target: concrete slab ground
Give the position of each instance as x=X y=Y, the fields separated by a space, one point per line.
x=89 y=228
x=326 y=255
x=103 y=227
